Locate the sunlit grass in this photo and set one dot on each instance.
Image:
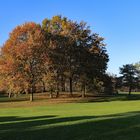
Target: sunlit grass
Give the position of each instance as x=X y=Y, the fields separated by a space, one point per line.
x=112 y=120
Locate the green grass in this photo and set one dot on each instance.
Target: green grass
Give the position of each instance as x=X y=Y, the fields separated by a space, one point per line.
x=112 y=120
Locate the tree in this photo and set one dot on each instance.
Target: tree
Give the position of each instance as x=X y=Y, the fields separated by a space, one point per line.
x=118 y=83
x=75 y=52
x=129 y=76
x=24 y=57
x=60 y=51
x=137 y=66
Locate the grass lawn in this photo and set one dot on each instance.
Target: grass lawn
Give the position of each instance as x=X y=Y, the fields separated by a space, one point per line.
x=108 y=120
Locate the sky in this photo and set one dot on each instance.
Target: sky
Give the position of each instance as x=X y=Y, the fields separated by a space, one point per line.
x=118 y=21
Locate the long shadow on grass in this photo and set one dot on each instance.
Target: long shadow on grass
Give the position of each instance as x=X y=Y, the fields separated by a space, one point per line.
x=119 y=97
x=130 y=97
x=14 y=118
x=124 y=126
x=126 y=97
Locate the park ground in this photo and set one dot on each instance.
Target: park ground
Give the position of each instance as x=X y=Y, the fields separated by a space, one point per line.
x=98 y=118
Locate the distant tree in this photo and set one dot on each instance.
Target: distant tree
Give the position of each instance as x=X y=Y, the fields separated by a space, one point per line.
x=137 y=66
x=129 y=76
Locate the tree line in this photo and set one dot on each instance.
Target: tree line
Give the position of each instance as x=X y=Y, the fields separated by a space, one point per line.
x=59 y=54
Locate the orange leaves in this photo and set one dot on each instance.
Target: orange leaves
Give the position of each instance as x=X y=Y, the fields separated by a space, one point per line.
x=60 y=47
x=95 y=50
x=23 y=56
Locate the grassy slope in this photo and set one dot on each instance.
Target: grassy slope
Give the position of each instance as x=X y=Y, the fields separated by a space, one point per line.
x=116 y=120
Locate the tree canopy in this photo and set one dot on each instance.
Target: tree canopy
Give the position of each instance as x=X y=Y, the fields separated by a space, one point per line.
x=57 y=53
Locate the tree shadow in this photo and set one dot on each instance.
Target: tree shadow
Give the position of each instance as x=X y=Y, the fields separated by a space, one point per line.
x=124 y=126
x=5 y=99
x=94 y=98
x=15 y=118
x=131 y=97
x=118 y=97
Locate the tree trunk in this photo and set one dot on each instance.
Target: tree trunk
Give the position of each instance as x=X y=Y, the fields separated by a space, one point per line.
x=62 y=84
x=31 y=97
x=57 y=90
x=44 y=88
x=57 y=93
x=31 y=94
x=130 y=90
x=9 y=94
x=63 y=87
x=84 y=91
x=70 y=86
x=51 y=95
x=34 y=88
x=26 y=91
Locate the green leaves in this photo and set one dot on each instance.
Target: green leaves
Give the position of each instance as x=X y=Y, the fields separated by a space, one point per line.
x=75 y=52
x=129 y=76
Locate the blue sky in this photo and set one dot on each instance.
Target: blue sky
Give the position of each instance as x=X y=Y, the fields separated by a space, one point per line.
x=118 y=21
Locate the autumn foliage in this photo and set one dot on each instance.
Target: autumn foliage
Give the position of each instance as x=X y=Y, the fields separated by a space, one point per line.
x=57 y=53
